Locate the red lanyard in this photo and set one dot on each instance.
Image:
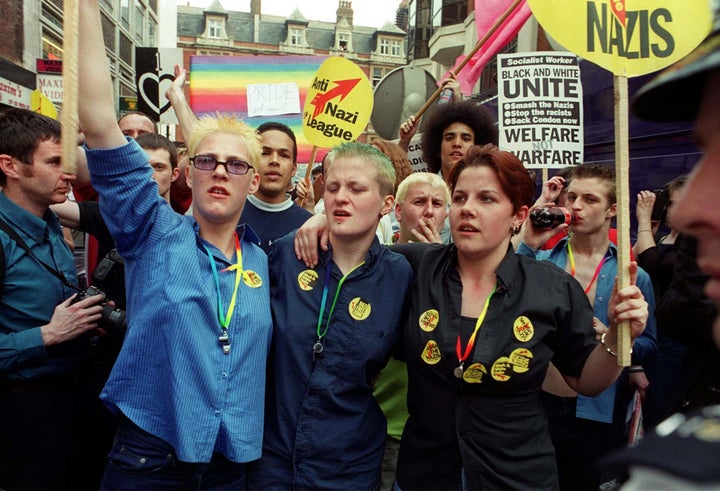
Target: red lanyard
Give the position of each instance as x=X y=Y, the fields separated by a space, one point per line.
x=597 y=270
x=463 y=356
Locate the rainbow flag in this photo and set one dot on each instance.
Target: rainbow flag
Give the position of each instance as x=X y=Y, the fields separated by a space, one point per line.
x=219 y=83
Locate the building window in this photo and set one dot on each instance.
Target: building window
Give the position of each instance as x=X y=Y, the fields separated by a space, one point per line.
x=139 y=24
x=453 y=12
x=396 y=47
x=152 y=41
x=296 y=36
x=109 y=5
x=377 y=75
x=51 y=47
x=215 y=28
x=384 y=46
x=125 y=13
x=108 y=33
x=343 y=41
x=126 y=49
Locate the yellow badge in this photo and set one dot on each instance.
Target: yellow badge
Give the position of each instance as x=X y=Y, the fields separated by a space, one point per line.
x=523 y=329
x=429 y=320
x=252 y=279
x=708 y=430
x=520 y=359
x=359 y=309
x=474 y=373
x=502 y=369
x=307 y=279
x=431 y=353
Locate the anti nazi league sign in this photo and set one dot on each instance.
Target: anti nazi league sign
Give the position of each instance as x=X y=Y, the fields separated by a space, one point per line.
x=540 y=113
x=154 y=73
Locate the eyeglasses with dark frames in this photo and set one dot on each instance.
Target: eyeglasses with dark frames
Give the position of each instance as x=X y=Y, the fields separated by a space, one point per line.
x=232 y=166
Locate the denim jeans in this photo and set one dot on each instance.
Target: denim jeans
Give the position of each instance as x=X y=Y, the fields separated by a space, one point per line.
x=140 y=461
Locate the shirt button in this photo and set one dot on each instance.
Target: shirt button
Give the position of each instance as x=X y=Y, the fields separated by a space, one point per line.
x=602 y=276
x=217 y=413
x=600 y=299
x=224 y=375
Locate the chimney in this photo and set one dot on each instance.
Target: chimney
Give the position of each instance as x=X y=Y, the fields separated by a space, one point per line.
x=255 y=7
x=345 y=10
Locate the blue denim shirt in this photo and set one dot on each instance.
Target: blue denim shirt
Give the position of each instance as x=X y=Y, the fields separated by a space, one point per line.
x=172 y=378
x=600 y=408
x=30 y=294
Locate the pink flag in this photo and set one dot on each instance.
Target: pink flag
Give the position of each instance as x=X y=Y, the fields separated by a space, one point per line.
x=487 y=12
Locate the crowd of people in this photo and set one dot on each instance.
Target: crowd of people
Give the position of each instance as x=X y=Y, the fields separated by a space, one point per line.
x=372 y=329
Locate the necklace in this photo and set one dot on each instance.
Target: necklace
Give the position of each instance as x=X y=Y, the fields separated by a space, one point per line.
x=321 y=330
x=464 y=355
x=224 y=320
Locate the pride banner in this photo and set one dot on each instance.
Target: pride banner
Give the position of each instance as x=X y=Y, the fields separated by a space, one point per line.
x=264 y=85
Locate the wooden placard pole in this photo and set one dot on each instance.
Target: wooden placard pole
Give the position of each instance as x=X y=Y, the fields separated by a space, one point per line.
x=308 y=171
x=69 y=113
x=622 y=180
x=499 y=22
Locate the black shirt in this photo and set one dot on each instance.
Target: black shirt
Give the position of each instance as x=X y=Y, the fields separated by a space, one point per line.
x=489 y=426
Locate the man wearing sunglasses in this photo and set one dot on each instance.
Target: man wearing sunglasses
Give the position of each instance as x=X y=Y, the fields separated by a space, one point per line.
x=188 y=386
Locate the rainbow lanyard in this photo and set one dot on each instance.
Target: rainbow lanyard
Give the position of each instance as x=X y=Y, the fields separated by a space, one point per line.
x=318 y=346
x=225 y=319
x=463 y=356
x=571 y=258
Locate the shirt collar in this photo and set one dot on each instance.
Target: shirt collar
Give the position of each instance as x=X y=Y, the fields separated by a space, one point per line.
x=270 y=206
x=29 y=225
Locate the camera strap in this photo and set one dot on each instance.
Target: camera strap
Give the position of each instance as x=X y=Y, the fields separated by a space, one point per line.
x=14 y=236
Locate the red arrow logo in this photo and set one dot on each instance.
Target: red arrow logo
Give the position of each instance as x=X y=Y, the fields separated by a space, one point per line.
x=342 y=89
x=618 y=8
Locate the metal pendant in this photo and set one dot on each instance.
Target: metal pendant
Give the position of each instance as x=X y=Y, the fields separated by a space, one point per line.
x=318 y=348
x=224 y=342
x=458 y=372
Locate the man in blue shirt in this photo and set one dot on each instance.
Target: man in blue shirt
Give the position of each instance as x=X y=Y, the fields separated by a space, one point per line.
x=585 y=428
x=41 y=348
x=189 y=382
x=269 y=211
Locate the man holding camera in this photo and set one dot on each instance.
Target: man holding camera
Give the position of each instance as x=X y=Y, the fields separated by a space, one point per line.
x=41 y=327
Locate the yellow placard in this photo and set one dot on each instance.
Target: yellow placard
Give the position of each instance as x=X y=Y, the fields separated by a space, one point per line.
x=39 y=103
x=338 y=104
x=627 y=37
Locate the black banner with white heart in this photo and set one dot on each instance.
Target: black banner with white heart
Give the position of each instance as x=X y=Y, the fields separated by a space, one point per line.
x=154 y=73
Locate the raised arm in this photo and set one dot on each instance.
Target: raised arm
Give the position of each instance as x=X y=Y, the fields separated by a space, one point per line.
x=176 y=95
x=68 y=213
x=97 y=111
x=643 y=212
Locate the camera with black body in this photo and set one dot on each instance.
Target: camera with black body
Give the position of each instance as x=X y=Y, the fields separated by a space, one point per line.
x=662 y=200
x=111 y=267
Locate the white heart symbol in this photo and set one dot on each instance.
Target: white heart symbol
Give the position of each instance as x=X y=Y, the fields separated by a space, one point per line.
x=162 y=83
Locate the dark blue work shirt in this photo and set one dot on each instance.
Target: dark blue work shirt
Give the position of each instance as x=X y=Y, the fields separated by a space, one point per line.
x=323 y=428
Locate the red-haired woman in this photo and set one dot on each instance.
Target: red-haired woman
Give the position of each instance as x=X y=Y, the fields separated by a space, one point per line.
x=483 y=326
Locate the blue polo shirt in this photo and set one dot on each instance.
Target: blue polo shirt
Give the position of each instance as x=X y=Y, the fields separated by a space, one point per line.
x=172 y=378
x=30 y=294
